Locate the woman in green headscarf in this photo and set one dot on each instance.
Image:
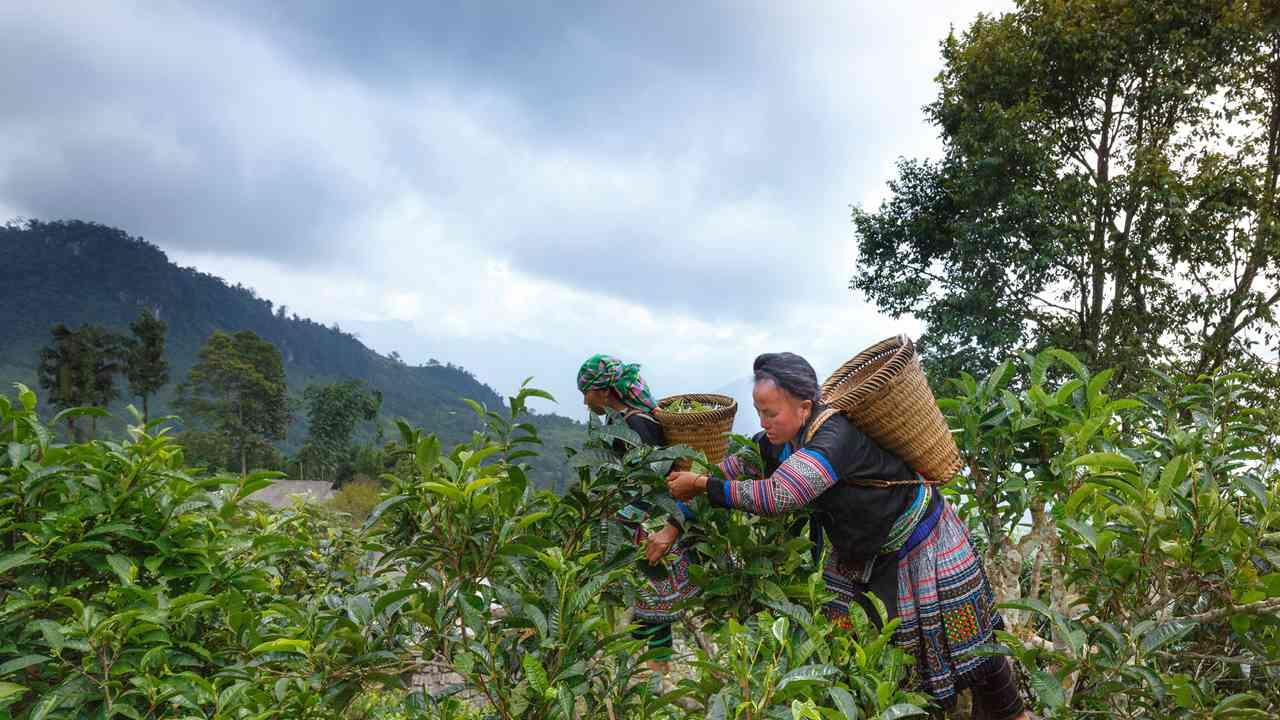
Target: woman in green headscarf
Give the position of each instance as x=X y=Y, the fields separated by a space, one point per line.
x=607 y=383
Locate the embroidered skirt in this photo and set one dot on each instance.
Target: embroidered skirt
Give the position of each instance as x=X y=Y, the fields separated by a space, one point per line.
x=945 y=603
x=668 y=584
x=658 y=602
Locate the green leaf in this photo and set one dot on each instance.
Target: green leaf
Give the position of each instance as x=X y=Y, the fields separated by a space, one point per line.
x=255 y=482
x=539 y=620
x=127 y=710
x=1107 y=460
x=1031 y=604
x=902 y=710
x=1118 y=485
x=1116 y=406
x=844 y=702
x=531 y=518
x=1097 y=385
x=1039 y=368
x=1048 y=690
x=479 y=456
x=359 y=609
x=618 y=431
x=591 y=457
x=1078 y=498
x=13 y=560
x=123 y=568
x=1234 y=702
x=1090 y=428
x=991 y=649
x=17 y=453
x=52 y=633
x=122 y=529
x=78 y=412
x=1253 y=487
x=11 y=691
x=389 y=599
x=379 y=509
x=43 y=437
x=807 y=672
x=535 y=392
x=464 y=662
x=1070 y=361
x=46 y=706
x=1162 y=635
x=1064 y=394
x=1084 y=529
x=26 y=396
x=22 y=663
x=534 y=671
x=282 y=645
x=999 y=377
x=427 y=454
x=1174 y=472
x=1151 y=678
x=444 y=489
x=780 y=627
x=479 y=484
x=566 y=698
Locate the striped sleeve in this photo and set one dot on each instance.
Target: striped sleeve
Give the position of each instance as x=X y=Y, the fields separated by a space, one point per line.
x=732 y=467
x=804 y=476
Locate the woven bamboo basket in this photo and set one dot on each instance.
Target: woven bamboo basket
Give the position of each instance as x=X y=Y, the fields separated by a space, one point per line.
x=707 y=431
x=884 y=393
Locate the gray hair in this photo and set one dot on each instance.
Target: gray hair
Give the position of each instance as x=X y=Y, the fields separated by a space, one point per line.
x=790 y=372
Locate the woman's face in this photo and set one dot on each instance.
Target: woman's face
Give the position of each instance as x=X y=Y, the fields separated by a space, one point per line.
x=781 y=414
x=596 y=400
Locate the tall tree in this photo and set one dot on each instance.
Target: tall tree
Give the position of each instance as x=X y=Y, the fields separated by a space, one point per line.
x=65 y=374
x=238 y=388
x=333 y=412
x=1107 y=186
x=108 y=354
x=148 y=371
x=78 y=369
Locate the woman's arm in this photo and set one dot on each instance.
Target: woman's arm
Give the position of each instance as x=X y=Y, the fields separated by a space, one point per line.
x=731 y=467
x=804 y=476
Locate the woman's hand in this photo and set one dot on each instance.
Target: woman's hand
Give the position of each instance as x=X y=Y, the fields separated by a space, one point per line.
x=685 y=485
x=657 y=545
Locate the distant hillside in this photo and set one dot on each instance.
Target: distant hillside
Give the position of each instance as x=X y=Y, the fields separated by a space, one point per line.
x=77 y=272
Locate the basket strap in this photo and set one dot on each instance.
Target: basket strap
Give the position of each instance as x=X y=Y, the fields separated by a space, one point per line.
x=868 y=482
x=823 y=416
x=632 y=412
x=829 y=413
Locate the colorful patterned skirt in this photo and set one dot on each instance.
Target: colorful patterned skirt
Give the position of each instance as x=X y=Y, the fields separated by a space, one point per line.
x=659 y=603
x=945 y=603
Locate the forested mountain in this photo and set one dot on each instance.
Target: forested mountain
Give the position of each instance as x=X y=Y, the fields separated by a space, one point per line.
x=76 y=272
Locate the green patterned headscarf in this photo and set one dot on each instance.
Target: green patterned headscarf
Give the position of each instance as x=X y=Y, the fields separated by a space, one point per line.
x=605 y=371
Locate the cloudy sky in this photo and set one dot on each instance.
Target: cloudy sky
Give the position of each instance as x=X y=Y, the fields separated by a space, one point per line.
x=507 y=186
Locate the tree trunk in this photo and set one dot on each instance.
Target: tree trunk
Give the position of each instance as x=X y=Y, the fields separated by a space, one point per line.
x=146 y=412
x=1092 y=334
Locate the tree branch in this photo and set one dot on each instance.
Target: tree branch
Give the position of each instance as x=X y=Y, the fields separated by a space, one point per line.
x=1257 y=311
x=1253 y=608
x=954 y=284
x=1234 y=660
x=698 y=637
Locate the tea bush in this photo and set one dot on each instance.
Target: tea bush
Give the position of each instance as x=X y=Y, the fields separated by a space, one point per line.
x=1136 y=543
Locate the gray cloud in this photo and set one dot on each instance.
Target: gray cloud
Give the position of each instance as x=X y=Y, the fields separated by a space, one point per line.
x=692 y=159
